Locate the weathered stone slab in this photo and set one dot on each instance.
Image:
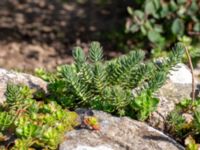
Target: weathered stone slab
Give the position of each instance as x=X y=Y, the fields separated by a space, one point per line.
x=15 y=77
x=118 y=134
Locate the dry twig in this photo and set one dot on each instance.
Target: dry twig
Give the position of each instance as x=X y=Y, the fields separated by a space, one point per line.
x=192 y=71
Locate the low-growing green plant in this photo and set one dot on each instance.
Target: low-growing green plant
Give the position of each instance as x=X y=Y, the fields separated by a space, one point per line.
x=162 y=22
x=191 y=144
x=184 y=121
x=122 y=86
x=144 y=105
x=29 y=124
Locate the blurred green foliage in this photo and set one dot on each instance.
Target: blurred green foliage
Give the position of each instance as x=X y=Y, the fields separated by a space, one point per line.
x=162 y=22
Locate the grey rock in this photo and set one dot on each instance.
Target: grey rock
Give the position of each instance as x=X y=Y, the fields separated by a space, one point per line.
x=15 y=77
x=169 y=95
x=181 y=75
x=177 y=88
x=197 y=76
x=118 y=134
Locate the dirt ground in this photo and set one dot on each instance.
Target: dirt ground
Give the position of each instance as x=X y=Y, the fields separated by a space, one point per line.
x=42 y=33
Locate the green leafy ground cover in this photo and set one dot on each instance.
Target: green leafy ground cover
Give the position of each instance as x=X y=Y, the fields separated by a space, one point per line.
x=27 y=123
x=184 y=123
x=122 y=86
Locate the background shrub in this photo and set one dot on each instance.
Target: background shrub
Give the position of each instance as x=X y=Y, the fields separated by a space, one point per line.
x=161 y=22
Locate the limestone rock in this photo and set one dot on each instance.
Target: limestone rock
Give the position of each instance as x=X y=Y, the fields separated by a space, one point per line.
x=177 y=88
x=118 y=134
x=181 y=75
x=197 y=71
x=15 y=77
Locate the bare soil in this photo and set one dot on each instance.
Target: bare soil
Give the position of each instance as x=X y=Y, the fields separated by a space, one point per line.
x=42 y=33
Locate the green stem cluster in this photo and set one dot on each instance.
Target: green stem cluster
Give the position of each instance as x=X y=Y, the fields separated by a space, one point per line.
x=121 y=86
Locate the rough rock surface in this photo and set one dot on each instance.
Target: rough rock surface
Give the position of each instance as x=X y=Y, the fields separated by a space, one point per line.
x=118 y=134
x=197 y=71
x=15 y=77
x=177 y=88
x=181 y=76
